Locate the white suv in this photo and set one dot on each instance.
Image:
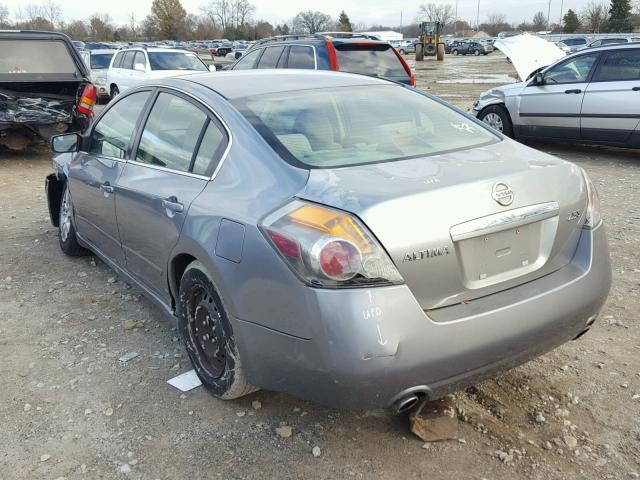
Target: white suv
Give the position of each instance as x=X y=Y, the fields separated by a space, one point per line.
x=134 y=65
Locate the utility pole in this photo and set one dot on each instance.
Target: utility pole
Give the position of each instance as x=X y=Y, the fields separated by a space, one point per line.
x=400 y=19
x=561 y=7
x=549 y=17
x=478 y=17
x=455 y=21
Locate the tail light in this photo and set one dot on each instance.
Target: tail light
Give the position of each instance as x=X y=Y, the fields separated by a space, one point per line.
x=328 y=248
x=333 y=57
x=88 y=99
x=594 y=217
x=406 y=66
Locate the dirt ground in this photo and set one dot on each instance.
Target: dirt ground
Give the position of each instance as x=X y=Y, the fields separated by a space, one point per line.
x=69 y=409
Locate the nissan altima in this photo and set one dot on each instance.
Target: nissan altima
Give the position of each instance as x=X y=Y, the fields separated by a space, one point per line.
x=341 y=238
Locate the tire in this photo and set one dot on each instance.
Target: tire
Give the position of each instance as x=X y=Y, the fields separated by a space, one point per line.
x=115 y=91
x=66 y=230
x=199 y=305
x=419 y=52
x=401 y=52
x=440 y=52
x=454 y=51
x=476 y=53
x=498 y=118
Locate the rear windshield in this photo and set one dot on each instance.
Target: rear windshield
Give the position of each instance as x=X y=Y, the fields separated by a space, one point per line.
x=24 y=57
x=175 y=61
x=345 y=126
x=374 y=59
x=100 y=60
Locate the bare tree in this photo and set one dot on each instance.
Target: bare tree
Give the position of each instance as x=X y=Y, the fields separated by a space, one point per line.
x=101 y=27
x=52 y=11
x=76 y=29
x=4 y=15
x=539 y=21
x=133 y=26
x=436 y=12
x=594 y=16
x=496 y=23
x=311 y=22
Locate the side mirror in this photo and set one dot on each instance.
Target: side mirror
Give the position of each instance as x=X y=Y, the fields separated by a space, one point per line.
x=65 y=143
x=139 y=67
x=212 y=68
x=538 y=79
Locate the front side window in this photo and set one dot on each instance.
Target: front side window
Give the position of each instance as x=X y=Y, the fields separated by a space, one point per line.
x=248 y=61
x=171 y=133
x=338 y=127
x=623 y=65
x=127 y=62
x=301 y=57
x=118 y=61
x=575 y=70
x=176 y=61
x=113 y=132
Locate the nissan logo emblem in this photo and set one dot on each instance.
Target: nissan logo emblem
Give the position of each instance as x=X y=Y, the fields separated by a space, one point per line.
x=502 y=193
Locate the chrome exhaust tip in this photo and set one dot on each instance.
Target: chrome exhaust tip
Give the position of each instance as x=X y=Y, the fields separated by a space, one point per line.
x=404 y=404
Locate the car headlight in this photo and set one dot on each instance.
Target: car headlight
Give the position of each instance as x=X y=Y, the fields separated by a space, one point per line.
x=594 y=217
x=101 y=81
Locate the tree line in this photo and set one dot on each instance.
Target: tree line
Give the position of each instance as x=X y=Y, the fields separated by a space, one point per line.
x=235 y=19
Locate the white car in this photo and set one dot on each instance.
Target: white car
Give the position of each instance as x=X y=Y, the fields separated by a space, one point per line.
x=98 y=62
x=134 y=65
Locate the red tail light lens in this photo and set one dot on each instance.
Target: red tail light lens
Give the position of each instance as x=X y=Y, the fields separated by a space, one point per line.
x=88 y=99
x=285 y=245
x=340 y=260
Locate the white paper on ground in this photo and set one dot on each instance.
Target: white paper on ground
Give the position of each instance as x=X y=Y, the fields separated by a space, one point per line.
x=185 y=381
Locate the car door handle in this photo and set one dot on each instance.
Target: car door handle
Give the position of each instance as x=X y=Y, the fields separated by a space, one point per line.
x=107 y=189
x=172 y=205
x=636 y=89
x=575 y=90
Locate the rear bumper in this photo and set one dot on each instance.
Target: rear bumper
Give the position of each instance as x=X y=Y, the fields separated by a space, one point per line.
x=368 y=346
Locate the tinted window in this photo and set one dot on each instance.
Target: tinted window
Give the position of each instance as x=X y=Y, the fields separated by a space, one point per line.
x=118 y=61
x=139 y=58
x=572 y=71
x=127 y=62
x=112 y=133
x=622 y=65
x=613 y=41
x=211 y=148
x=270 y=57
x=377 y=60
x=100 y=60
x=176 y=61
x=171 y=133
x=248 y=61
x=574 y=41
x=301 y=57
x=35 y=56
x=354 y=125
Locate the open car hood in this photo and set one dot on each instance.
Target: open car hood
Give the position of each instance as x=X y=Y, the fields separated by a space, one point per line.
x=528 y=53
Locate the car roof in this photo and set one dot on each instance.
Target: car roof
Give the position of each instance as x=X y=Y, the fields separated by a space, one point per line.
x=156 y=49
x=243 y=83
x=104 y=50
x=605 y=48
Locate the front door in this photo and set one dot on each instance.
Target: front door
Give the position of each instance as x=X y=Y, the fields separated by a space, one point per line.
x=94 y=173
x=172 y=165
x=552 y=109
x=611 y=106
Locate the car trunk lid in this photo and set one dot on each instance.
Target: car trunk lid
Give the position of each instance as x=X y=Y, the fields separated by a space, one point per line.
x=466 y=224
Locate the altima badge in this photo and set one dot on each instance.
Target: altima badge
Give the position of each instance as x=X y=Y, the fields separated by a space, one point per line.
x=502 y=193
x=428 y=253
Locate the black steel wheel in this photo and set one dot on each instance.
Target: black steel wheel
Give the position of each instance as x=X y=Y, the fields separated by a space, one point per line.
x=208 y=335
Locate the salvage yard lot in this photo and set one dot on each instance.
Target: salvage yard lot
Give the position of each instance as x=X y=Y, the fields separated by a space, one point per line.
x=71 y=409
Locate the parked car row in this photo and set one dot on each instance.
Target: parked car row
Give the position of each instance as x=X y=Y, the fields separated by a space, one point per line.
x=468 y=47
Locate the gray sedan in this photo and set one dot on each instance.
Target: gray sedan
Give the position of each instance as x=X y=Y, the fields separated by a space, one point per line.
x=338 y=237
x=592 y=96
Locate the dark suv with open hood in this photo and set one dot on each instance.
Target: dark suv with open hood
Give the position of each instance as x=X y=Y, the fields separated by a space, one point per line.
x=44 y=87
x=338 y=51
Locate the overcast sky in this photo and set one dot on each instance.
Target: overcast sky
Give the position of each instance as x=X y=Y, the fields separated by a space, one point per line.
x=360 y=11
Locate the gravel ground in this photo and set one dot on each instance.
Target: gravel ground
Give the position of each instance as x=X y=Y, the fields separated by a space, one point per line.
x=71 y=410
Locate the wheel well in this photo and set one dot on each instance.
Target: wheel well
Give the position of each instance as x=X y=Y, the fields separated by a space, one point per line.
x=55 y=187
x=178 y=265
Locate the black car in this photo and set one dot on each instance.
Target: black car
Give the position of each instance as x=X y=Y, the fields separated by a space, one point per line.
x=471 y=48
x=224 y=48
x=340 y=51
x=45 y=88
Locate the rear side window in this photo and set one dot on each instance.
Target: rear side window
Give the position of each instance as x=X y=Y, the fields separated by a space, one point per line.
x=270 y=57
x=171 y=133
x=113 y=132
x=301 y=57
x=139 y=59
x=248 y=61
x=623 y=65
x=213 y=144
x=375 y=59
x=24 y=57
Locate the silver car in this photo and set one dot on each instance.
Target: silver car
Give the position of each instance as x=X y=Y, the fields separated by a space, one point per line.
x=592 y=96
x=337 y=237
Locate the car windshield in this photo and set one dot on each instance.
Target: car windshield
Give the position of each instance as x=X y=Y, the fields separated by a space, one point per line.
x=100 y=60
x=175 y=61
x=375 y=60
x=345 y=126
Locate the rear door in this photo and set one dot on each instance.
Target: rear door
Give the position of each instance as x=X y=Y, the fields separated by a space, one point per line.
x=552 y=110
x=372 y=58
x=93 y=174
x=611 y=106
x=176 y=154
